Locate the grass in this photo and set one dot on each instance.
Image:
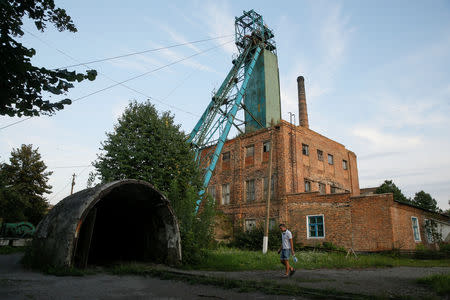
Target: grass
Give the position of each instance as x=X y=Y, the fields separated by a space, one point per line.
x=440 y=283
x=226 y=259
x=10 y=250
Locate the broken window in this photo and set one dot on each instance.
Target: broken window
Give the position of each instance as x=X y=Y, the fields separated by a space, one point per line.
x=250 y=224
x=344 y=164
x=333 y=190
x=320 y=155
x=305 y=149
x=330 y=159
x=272 y=187
x=226 y=165
x=250 y=190
x=266 y=146
x=415 y=226
x=322 y=188
x=225 y=193
x=316 y=228
x=307 y=186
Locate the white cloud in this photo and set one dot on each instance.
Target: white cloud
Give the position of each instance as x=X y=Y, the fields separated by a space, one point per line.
x=385 y=141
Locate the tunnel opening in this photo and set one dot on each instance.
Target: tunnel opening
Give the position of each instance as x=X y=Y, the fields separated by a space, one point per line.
x=129 y=223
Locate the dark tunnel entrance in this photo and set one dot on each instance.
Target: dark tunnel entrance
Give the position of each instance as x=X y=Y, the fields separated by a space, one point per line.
x=129 y=223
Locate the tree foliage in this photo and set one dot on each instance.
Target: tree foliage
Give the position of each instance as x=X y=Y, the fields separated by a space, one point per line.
x=23 y=183
x=147 y=146
x=425 y=201
x=22 y=84
x=389 y=186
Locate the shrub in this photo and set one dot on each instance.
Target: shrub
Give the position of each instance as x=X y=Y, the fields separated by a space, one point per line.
x=253 y=239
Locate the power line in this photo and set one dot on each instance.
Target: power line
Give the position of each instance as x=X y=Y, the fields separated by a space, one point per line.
x=141 y=52
x=132 y=78
x=69 y=167
x=53 y=196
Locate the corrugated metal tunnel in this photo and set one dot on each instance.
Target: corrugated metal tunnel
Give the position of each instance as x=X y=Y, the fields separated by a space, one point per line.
x=127 y=220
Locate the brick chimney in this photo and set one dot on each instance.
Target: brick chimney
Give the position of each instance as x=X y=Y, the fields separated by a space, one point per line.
x=302 y=110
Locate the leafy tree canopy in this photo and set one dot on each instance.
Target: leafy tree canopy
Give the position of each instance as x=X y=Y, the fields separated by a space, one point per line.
x=389 y=186
x=425 y=201
x=22 y=83
x=148 y=146
x=23 y=183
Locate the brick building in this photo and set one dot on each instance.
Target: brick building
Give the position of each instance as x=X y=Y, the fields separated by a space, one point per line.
x=314 y=189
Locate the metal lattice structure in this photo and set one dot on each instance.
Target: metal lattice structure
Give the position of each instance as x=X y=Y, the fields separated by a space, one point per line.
x=208 y=137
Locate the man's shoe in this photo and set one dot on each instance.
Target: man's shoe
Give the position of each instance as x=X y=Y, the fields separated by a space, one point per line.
x=291 y=272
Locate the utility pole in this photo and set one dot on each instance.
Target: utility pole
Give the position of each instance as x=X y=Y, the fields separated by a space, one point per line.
x=269 y=191
x=73 y=183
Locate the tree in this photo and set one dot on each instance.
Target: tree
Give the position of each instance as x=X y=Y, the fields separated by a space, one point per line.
x=21 y=83
x=12 y=206
x=425 y=201
x=26 y=178
x=389 y=186
x=150 y=147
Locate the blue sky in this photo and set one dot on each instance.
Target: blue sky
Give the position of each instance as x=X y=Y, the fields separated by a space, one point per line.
x=377 y=78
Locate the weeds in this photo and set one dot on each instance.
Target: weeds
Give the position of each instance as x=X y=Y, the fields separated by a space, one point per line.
x=440 y=283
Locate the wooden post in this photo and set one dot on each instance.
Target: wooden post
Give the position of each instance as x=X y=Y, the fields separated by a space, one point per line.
x=73 y=183
x=269 y=191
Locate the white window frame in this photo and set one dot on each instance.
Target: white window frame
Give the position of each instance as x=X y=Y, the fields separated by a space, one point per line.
x=308 y=184
x=247 y=190
x=418 y=228
x=307 y=227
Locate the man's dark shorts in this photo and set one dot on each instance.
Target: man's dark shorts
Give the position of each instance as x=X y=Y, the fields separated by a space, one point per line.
x=285 y=253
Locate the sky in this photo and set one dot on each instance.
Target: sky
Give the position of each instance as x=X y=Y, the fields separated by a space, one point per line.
x=377 y=78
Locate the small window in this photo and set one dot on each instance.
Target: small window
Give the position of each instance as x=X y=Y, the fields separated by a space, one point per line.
x=333 y=190
x=250 y=190
x=344 y=164
x=315 y=225
x=415 y=226
x=322 y=188
x=429 y=231
x=226 y=156
x=330 y=159
x=249 y=151
x=320 y=155
x=305 y=149
x=225 y=194
x=307 y=186
x=272 y=223
x=266 y=146
x=272 y=187
x=212 y=192
x=250 y=224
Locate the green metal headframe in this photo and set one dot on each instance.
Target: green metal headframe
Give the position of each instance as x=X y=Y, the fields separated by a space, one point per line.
x=211 y=131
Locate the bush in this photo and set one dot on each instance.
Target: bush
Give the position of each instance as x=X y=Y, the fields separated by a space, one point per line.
x=253 y=239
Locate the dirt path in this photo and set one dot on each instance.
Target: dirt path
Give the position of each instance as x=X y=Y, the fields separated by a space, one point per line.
x=17 y=283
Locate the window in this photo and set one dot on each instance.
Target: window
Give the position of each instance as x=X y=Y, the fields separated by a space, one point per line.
x=415 y=226
x=333 y=189
x=272 y=223
x=250 y=224
x=305 y=149
x=330 y=159
x=322 y=188
x=307 y=186
x=266 y=146
x=315 y=225
x=250 y=190
x=226 y=156
x=225 y=193
x=344 y=164
x=249 y=151
x=212 y=192
x=272 y=187
x=320 y=155
x=429 y=231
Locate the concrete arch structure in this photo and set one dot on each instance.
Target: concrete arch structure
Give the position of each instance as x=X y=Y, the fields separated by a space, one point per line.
x=126 y=220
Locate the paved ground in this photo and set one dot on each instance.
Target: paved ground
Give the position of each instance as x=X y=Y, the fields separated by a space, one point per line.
x=17 y=283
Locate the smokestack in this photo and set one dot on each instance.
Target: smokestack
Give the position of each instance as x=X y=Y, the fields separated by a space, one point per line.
x=302 y=110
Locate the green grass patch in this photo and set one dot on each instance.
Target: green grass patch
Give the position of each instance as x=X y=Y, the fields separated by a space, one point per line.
x=11 y=250
x=245 y=286
x=440 y=283
x=229 y=259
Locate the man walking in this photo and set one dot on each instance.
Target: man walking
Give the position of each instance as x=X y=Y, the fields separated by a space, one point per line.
x=286 y=249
